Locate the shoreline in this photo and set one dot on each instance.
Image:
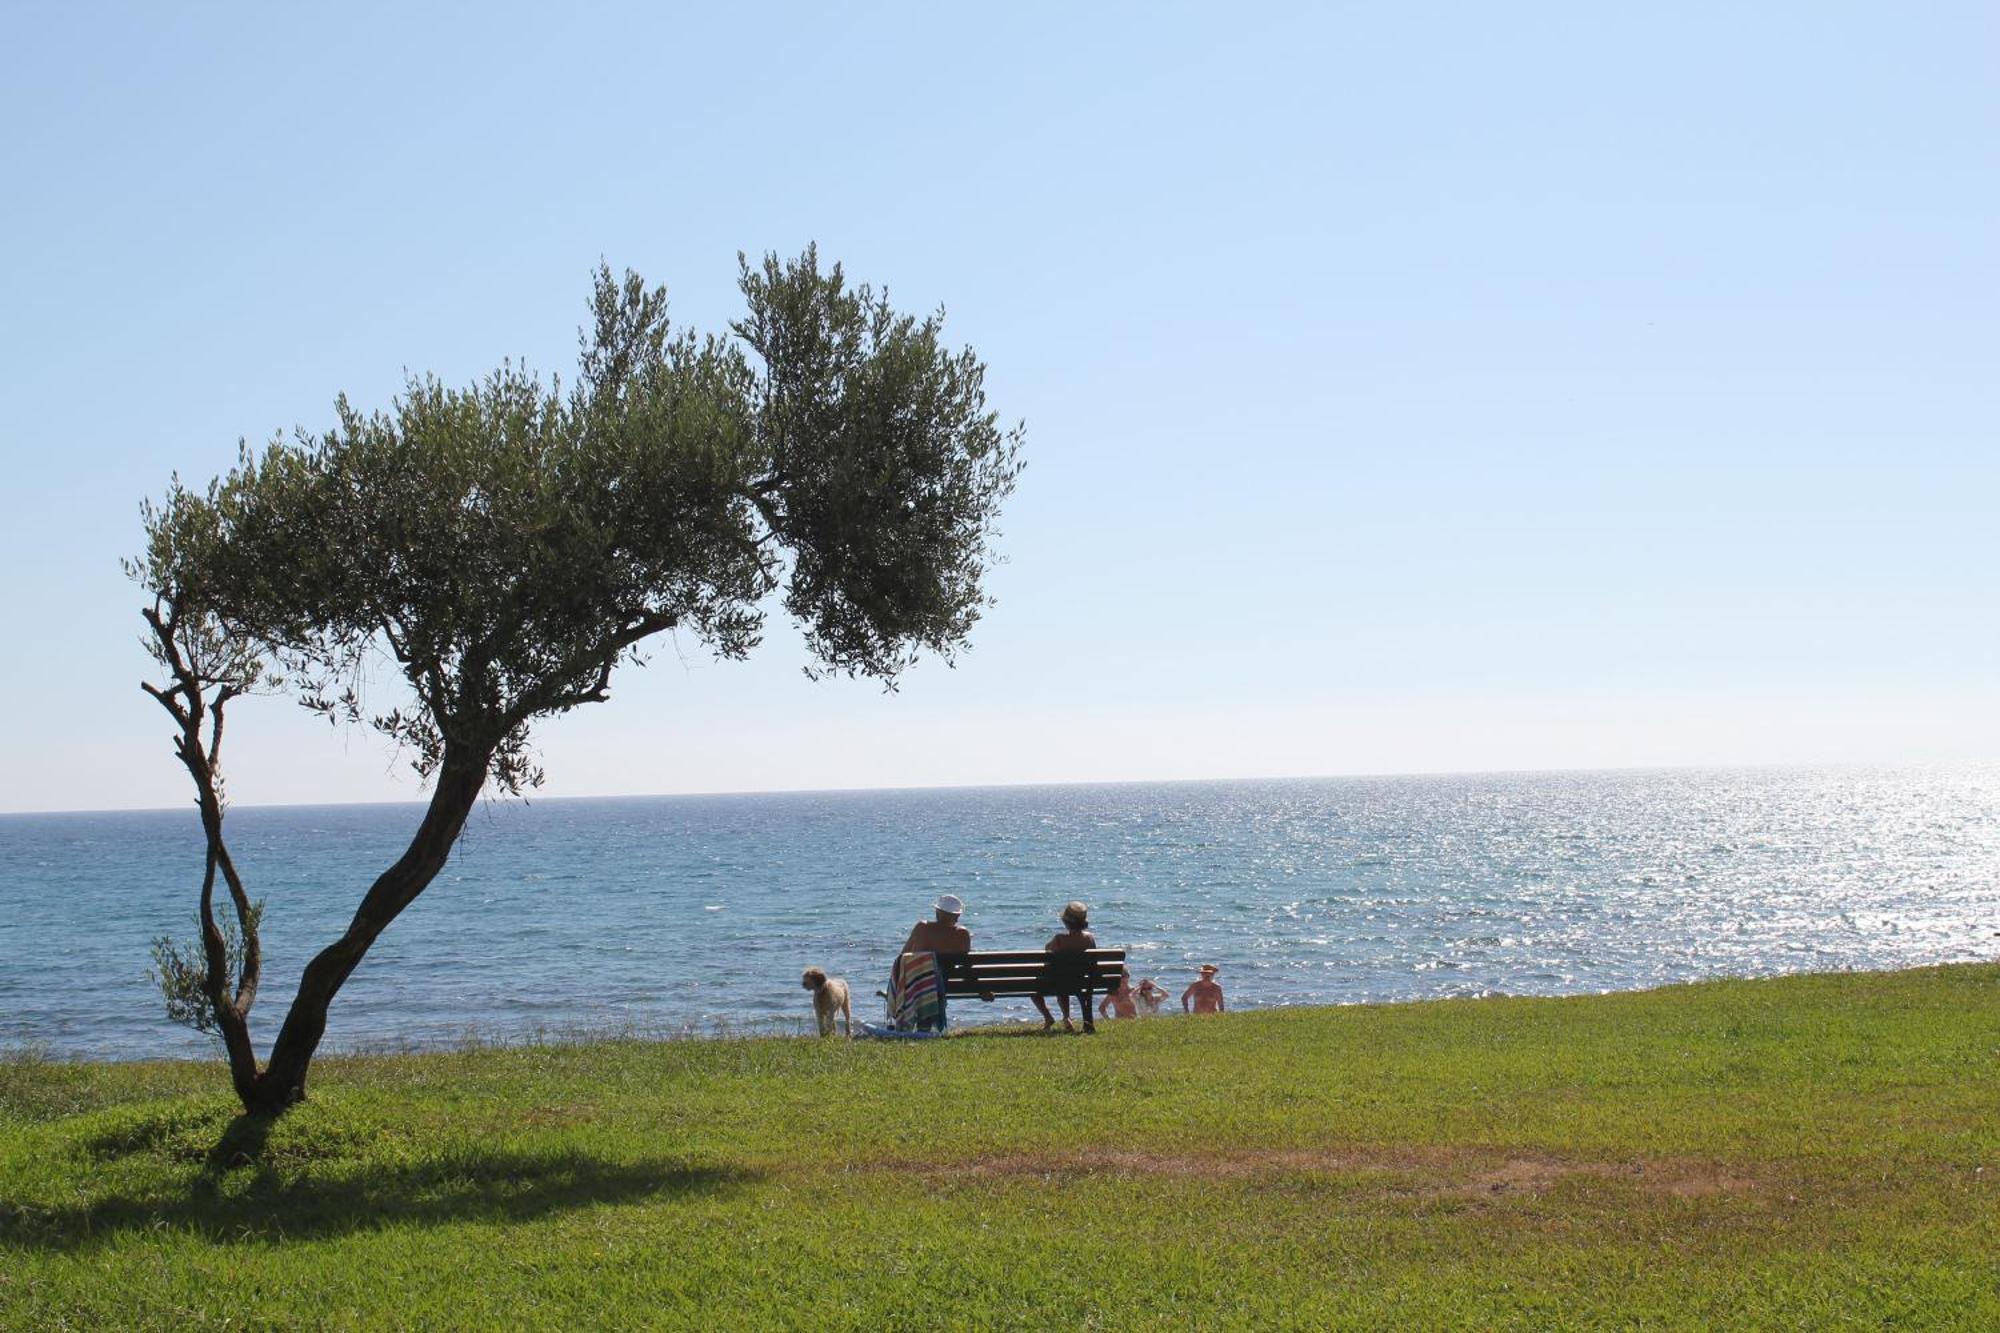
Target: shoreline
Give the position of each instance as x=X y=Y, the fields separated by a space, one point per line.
x=30 y=1054
x=1306 y=892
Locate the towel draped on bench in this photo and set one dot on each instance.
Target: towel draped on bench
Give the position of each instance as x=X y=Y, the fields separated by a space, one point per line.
x=916 y=994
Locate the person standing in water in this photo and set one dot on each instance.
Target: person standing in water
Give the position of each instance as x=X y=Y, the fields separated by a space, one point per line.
x=1119 y=1003
x=1207 y=996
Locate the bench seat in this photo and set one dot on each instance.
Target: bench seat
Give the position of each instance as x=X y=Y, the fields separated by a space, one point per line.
x=996 y=972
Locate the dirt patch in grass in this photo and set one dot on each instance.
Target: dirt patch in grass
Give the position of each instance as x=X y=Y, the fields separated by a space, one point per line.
x=1538 y=1175
x=1450 y=1172
x=557 y=1116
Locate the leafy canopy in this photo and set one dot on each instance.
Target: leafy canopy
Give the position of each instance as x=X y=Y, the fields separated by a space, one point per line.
x=506 y=544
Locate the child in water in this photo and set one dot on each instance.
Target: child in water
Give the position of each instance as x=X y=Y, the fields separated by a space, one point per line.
x=1119 y=1003
x=1207 y=996
x=1150 y=995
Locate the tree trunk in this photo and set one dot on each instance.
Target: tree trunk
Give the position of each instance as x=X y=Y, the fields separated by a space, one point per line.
x=231 y=1009
x=282 y=1084
x=230 y=1006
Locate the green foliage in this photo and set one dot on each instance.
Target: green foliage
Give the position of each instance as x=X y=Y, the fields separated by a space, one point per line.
x=504 y=545
x=1800 y=1152
x=180 y=969
x=882 y=462
x=181 y=973
x=185 y=544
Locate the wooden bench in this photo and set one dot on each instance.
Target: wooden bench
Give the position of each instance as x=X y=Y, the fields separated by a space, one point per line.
x=992 y=973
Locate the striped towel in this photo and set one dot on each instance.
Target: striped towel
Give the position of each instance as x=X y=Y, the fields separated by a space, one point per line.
x=916 y=994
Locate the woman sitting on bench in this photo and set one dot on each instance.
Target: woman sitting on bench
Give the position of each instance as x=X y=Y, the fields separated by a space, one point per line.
x=1074 y=939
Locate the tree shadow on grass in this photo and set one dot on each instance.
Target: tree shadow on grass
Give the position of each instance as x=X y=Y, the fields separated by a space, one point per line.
x=239 y=1197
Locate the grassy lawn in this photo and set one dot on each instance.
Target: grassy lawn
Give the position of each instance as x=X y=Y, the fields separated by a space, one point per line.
x=1802 y=1152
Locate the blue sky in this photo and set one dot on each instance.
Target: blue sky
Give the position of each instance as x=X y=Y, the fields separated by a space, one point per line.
x=1408 y=387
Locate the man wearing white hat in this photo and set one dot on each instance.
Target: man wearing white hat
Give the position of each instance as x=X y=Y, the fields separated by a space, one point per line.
x=916 y=982
x=943 y=935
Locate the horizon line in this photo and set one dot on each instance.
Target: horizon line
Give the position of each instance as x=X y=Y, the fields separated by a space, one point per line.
x=529 y=798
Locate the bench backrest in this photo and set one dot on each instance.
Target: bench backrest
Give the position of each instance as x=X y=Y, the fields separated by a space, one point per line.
x=1031 y=971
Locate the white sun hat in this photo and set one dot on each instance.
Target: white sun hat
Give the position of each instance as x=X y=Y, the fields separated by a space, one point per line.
x=950 y=902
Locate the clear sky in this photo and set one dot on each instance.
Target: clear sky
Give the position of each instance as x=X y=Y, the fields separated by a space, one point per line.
x=1409 y=387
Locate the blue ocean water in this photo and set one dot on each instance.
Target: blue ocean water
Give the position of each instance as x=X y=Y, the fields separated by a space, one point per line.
x=666 y=915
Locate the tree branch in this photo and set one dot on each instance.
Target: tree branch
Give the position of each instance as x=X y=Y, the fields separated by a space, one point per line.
x=601 y=658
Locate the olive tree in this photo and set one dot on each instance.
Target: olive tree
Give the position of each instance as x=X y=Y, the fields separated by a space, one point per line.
x=494 y=552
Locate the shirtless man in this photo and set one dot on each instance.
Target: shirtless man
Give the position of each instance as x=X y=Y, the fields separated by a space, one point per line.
x=1207 y=996
x=943 y=935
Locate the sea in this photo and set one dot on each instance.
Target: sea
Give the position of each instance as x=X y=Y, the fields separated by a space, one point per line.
x=694 y=915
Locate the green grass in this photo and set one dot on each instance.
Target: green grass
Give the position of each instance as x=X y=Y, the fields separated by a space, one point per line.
x=1803 y=1152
